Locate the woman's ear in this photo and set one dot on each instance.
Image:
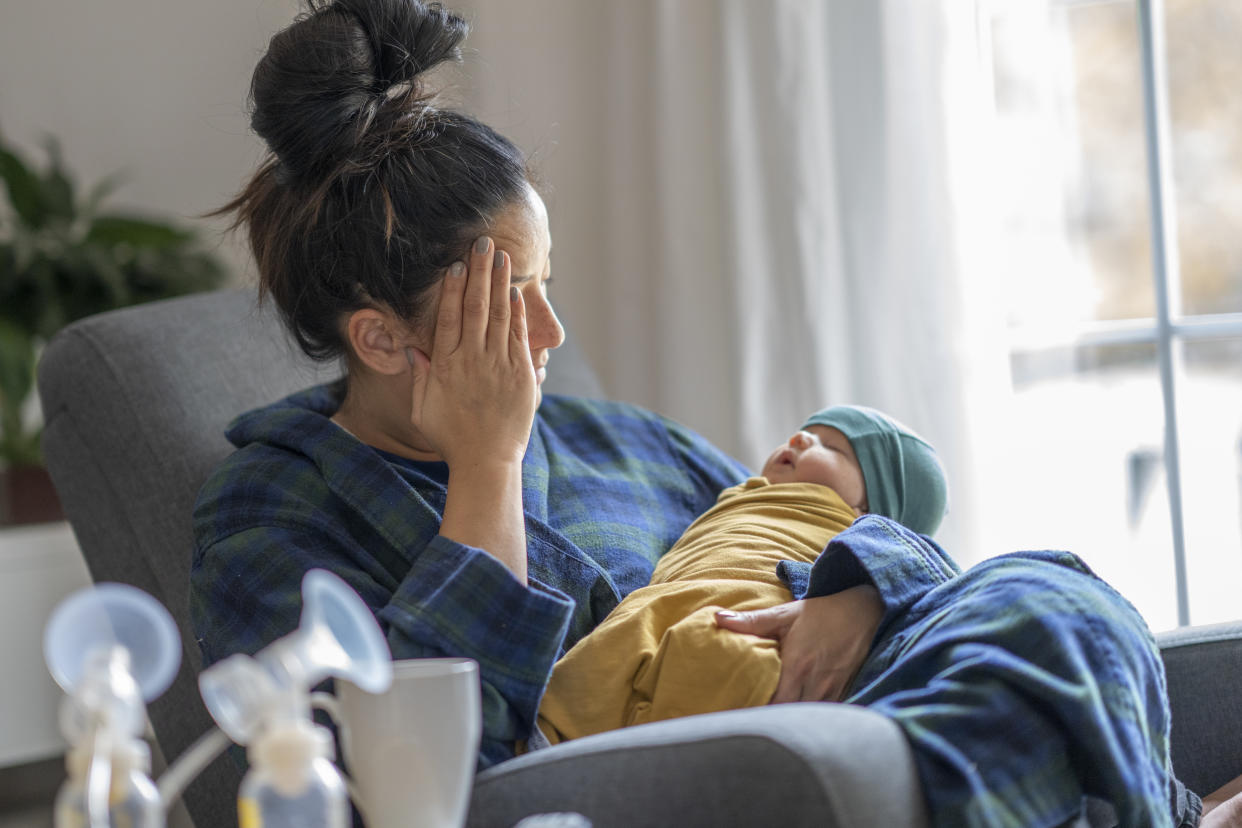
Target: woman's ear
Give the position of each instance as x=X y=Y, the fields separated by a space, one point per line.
x=378 y=340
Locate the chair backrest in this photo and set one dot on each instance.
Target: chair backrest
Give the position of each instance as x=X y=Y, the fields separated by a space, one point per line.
x=135 y=403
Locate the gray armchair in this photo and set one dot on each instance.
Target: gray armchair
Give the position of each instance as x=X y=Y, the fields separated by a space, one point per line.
x=136 y=402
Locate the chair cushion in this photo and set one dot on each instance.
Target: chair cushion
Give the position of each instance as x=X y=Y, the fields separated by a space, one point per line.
x=1204 y=669
x=824 y=765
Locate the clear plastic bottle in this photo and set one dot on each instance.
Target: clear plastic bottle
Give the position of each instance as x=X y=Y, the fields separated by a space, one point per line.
x=292 y=782
x=133 y=800
x=111 y=648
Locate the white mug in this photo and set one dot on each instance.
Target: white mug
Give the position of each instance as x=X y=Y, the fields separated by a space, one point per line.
x=411 y=751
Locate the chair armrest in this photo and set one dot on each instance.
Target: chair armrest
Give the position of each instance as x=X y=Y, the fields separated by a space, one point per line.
x=828 y=765
x=1204 y=668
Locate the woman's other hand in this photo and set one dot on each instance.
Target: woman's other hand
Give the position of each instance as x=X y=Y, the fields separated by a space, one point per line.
x=823 y=641
x=474 y=398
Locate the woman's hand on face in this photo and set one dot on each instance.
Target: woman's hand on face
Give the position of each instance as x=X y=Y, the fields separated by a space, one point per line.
x=823 y=641
x=474 y=398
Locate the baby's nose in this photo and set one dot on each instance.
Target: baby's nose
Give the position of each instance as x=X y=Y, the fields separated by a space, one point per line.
x=800 y=441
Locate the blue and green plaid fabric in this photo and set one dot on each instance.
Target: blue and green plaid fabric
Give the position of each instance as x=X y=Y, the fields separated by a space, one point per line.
x=1022 y=684
x=607 y=488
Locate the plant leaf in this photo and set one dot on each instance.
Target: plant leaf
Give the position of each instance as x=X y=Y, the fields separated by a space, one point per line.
x=23 y=187
x=102 y=188
x=118 y=229
x=17 y=372
x=57 y=184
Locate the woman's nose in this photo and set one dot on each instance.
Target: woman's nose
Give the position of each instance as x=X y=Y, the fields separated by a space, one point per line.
x=543 y=329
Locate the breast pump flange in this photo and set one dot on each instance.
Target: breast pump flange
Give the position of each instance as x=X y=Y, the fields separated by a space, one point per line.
x=263 y=702
x=111 y=648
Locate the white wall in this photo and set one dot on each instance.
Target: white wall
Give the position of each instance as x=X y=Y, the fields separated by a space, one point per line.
x=40 y=566
x=566 y=80
x=157 y=88
x=154 y=88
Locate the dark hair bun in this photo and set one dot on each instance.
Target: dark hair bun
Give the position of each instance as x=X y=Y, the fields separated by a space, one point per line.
x=407 y=37
x=371 y=189
x=324 y=81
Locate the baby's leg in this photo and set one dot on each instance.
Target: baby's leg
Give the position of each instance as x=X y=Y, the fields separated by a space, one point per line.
x=1023 y=685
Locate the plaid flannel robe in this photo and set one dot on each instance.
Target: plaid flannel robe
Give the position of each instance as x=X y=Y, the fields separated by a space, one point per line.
x=607 y=488
x=1023 y=684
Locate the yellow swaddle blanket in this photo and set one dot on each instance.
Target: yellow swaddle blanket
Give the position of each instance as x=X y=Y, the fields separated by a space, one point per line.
x=659 y=654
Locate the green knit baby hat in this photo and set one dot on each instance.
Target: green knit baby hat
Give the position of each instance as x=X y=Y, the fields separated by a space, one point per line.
x=902 y=474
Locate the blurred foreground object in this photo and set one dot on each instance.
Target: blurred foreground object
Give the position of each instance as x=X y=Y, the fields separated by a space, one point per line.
x=264 y=702
x=111 y=648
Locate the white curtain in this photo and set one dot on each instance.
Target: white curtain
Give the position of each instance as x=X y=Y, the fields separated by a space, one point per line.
x=778 y=207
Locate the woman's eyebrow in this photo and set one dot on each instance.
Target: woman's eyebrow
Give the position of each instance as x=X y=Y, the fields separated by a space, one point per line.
x=517 y=280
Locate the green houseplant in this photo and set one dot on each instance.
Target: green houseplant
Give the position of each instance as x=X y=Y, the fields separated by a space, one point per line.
x=63 y=257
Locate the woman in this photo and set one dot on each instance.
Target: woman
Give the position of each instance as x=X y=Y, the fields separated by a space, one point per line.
x=408 y=239
x=472 y=517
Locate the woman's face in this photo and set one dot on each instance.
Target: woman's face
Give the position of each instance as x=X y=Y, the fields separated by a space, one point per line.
x=521 y=230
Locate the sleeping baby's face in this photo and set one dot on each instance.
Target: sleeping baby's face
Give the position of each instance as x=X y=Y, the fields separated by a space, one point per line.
x=820 y=454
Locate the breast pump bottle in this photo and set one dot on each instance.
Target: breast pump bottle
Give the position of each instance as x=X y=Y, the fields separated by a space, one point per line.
x=263 y=702
x=110 y=647
x=292 y=781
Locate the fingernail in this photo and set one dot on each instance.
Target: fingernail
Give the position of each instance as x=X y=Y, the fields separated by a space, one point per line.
x=499 y=261
x=481 y=245
x=513 y=293
x=726 y=614
x=458 y=269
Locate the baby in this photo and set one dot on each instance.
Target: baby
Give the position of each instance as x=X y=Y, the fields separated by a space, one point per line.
x=660 y=654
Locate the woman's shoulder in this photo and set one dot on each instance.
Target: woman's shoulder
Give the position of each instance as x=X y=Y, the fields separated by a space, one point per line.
x=595 y=422
x=561 y=404
x=258 y=484
x=594 y=426
x=281 y=452
x=564 y=409
x=295 y=422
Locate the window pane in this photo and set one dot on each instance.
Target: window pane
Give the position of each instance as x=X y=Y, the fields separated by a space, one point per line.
x=1210 y=425
x=1083 y=469
x=1204 y=64
x=1109 y=205
x=1069 y=108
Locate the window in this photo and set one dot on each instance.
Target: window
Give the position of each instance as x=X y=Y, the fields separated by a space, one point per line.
x=1109 y=331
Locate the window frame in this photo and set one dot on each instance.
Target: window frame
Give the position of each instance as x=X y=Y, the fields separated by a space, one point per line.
x=1170 y=329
